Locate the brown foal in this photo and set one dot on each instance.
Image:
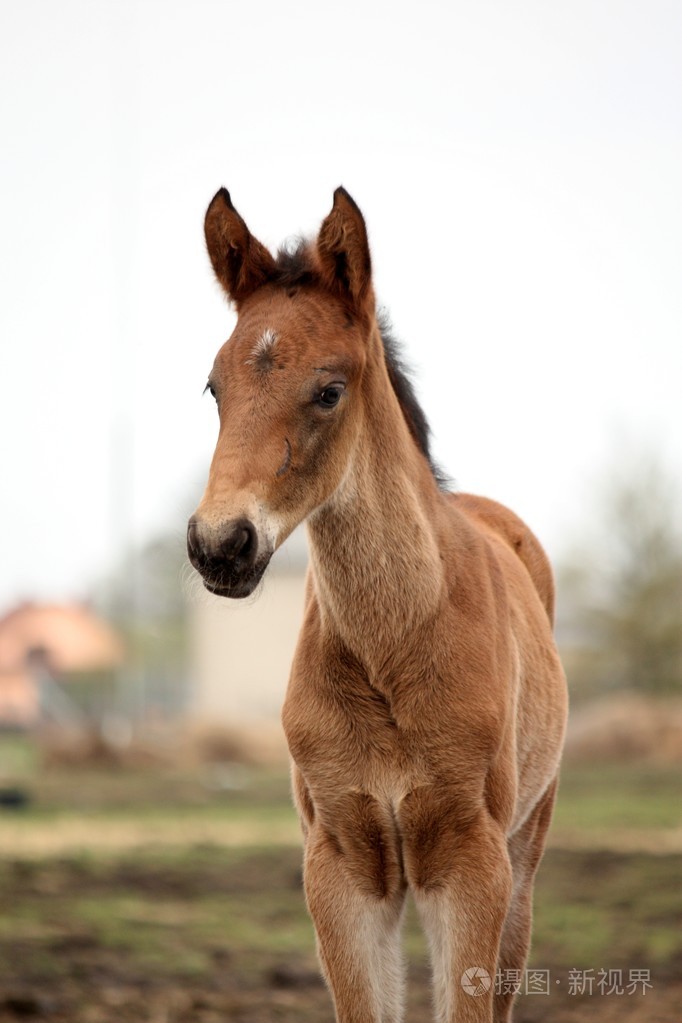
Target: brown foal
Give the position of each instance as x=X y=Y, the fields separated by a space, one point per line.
x=426 y=708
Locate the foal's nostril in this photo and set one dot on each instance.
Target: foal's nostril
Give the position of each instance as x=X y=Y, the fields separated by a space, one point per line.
x=243 y=541
x=225 y=553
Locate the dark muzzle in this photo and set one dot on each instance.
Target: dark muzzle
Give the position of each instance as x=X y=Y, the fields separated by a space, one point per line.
x=226 y=557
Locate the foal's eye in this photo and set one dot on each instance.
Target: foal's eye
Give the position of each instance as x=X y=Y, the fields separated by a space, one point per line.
x=209 y=387
x=330 y=396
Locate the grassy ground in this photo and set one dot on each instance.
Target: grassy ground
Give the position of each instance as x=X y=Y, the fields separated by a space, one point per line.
x=618 y=796
x=172 y=927
x=623 y=807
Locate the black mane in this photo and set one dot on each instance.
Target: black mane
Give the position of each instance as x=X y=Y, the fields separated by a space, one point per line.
x=296 y=269
x=415 y=417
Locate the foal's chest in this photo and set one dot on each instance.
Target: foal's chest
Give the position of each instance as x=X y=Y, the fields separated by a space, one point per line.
x=343 y=732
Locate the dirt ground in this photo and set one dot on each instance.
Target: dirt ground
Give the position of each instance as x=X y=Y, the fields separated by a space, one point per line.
x=211 y=934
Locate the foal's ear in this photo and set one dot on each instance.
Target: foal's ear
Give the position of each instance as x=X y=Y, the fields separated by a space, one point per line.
x=343 y=253
x=240 y=262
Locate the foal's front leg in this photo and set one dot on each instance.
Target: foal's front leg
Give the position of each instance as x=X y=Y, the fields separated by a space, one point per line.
x=356 y=894
x=462 y=881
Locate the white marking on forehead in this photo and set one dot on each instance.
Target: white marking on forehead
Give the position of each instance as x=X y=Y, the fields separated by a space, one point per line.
x=264 y=345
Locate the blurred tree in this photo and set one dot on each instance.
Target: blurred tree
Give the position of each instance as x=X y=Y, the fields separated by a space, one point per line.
x=621 y=588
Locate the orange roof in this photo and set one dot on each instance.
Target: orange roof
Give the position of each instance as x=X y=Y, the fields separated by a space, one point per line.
x=72 y=637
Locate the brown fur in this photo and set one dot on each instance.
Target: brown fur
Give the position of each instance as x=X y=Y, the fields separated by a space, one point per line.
x=426 y=707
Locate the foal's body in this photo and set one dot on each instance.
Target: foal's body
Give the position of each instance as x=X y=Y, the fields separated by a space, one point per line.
x=421 y=733
x=426 y=707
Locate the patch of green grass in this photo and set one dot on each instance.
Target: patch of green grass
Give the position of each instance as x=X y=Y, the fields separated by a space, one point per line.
x=273 y=925
x=152 y=937
x=572 y=935
x=618 y=796
x=596 y=909
x=18 y=758
x=95 y=788
x=28 y=921
x=275 y=813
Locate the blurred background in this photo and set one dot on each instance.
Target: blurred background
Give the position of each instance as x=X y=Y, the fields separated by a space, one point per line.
x=518 y=166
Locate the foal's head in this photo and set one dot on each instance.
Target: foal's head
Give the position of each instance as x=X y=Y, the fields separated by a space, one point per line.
x=287 y=387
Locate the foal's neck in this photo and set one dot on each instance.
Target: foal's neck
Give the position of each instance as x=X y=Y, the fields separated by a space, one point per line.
x=376 y=562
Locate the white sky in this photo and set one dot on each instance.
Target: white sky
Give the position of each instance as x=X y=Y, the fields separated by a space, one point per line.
x=519 y=168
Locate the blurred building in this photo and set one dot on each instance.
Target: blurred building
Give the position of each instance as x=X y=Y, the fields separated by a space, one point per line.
x=241 y=650
x=40 y=643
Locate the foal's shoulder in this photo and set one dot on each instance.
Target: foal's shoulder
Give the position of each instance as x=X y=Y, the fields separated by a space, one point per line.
x=495 y=517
